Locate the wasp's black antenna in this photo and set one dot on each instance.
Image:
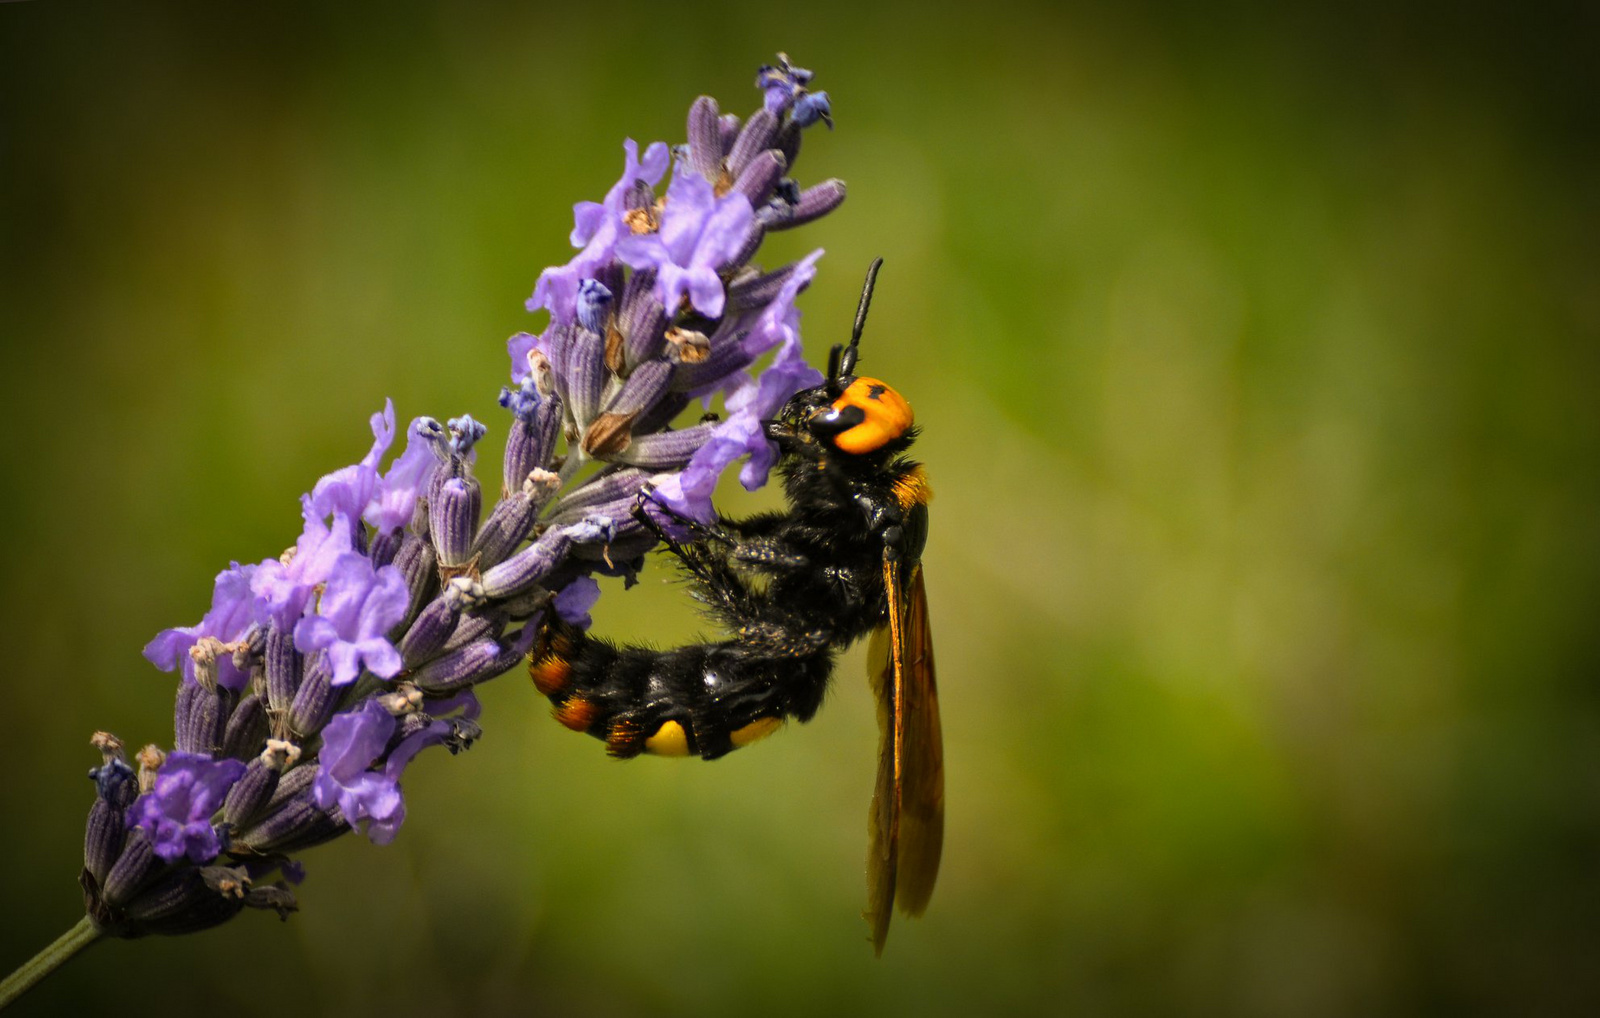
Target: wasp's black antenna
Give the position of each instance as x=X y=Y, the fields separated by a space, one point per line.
x=833 y=368
x=847 y=361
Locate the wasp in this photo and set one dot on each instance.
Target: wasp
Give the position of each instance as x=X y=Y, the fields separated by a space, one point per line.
x=794 y=588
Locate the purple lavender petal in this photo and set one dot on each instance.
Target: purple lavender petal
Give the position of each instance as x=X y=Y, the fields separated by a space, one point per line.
x=690 y=202
x=352 y=743
x=519 y=346
x=283 y=590
x=688 y=493
x=359 y=606
x=232 y=612
x=812 y=107
x=572 y=604
x=597 y=230
x=587 y=217
x=779 y=322
x=394 y=499
x=176 y=813
x=347 y=491
x=725 y=232
x=783 y=84
x=700 y=234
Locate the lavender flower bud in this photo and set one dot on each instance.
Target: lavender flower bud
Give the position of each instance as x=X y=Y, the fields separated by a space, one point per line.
x=594 y=306
x=533 y=434
x=756 y=138
x=586 y=375
x=453 y=520
x=246 y=729
x=292 y=825
x=815 y=202
x=508 y=525
x=115 y=788
x=752 y=243
x=601 y=488
x=251 y=794
x=315 y=701
x=473 y=663
x=458 y=669
x=610 y=432
x=667 y=450
x=665 y=411
x=760 y=177
x=728 y=131
x=756 y=290
x=283 y=667
x=103 y=838
x=384 y=545
x=644 y=325
x=133 y=870
x=295 y=780
x=201 y=713
x=530 y=565
x=419 y=566
x=438 y=620
x=183 y=707
x=705 y=139
x=181 y=903
x=477 y=625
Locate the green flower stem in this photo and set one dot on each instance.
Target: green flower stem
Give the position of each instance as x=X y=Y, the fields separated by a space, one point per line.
x=48 y=960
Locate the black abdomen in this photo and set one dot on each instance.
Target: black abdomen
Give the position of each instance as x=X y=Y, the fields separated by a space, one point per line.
x=704 y=699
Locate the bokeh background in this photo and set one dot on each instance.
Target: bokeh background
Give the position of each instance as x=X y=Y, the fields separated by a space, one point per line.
x=1256 y=352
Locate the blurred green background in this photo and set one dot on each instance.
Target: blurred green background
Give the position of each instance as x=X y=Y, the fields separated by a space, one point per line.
x=1256 y=356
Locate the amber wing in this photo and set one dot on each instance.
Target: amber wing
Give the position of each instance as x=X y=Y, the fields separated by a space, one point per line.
x=906 y=822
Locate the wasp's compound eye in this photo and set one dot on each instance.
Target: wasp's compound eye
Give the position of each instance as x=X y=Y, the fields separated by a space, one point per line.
x=868 y=416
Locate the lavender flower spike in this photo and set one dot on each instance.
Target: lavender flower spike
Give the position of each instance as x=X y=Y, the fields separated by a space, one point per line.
x=316 y=677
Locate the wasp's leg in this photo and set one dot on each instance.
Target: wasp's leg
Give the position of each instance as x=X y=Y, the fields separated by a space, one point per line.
x=750 y=543
x=699 y=531
x=749 y=540
x=666 y=539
